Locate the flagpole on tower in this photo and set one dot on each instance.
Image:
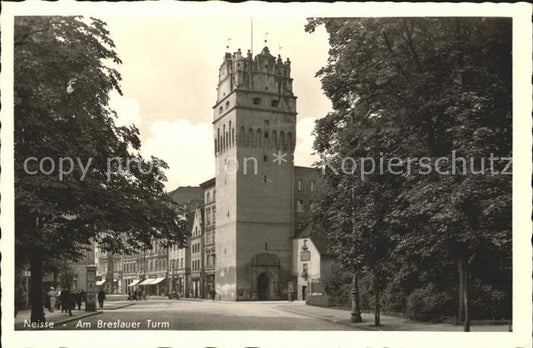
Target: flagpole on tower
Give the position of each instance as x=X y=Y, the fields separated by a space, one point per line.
x=252 y=35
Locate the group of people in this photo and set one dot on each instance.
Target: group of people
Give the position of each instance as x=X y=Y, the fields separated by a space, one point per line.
x=64 y=299
x=137 y=295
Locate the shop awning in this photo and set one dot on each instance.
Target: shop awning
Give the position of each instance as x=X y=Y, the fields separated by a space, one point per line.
x=156 y=281
x=135 y=282
x=147 y=281
x=100 y=282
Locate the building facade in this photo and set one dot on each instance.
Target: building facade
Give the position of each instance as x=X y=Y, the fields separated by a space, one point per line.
x=197 y=250
x=312 y=259
x=209 y=237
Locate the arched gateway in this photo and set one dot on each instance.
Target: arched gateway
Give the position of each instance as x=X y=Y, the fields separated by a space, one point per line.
x=264 y=287
x=265 y=277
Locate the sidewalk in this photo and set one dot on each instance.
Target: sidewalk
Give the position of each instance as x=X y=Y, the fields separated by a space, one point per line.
x=388 y=323
x=59 y=318
x=55 y=317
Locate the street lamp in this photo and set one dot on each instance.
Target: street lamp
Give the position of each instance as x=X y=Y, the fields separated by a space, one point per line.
x=356 y=313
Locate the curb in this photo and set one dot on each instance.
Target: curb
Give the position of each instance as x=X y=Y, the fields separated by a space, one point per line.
x=336 y=321
x=69 y=319
x=119 y=307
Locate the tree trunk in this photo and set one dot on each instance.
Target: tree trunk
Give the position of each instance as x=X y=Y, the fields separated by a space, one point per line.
x=376 y=303
x=66 y=280
x=465 y=296
x=461 y=290
x=110 y=272
x=36 y=266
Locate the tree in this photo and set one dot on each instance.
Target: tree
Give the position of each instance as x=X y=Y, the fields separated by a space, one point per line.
x=417 y=88
x=64 y=72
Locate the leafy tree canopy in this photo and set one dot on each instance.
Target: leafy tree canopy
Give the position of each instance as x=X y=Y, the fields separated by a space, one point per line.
x=413 y=88
x=65 y=68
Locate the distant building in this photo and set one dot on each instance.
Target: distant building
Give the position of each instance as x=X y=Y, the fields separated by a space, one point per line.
x=312 y=259
x=160 y=270
x=197 y=249
x=109 y=271
x=209 y=248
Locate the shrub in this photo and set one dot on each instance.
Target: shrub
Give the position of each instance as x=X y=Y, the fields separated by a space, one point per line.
x=428 y=303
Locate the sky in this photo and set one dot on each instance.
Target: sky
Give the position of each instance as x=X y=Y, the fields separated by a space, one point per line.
x=169 y=75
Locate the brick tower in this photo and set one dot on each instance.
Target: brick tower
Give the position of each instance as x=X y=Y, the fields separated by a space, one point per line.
x=254 y=118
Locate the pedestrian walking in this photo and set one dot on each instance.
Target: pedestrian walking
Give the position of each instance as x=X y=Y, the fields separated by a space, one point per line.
x=52 y=298
x=129 y=296
x=58 y=299
x=101 y=298
x=46 y=300
x=213 y=295
x=83 y=296
x=78 y=298
x=66 y=301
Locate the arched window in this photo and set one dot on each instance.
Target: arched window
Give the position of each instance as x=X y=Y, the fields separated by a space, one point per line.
x=227 y=105
x=274 y=102
x=250 y=141
x=232 y=137
x=216 y=150
x=230 y=144
x=289 y=140
x=257 y=101
x=220 y=109
x=224 y=140
x=274 y=140
x=258 y=137
x=218 y=137
x=282 y=139
x=242 y=137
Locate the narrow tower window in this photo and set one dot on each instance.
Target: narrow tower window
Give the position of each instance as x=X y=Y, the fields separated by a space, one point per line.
x=257 y=101
x=242 y=137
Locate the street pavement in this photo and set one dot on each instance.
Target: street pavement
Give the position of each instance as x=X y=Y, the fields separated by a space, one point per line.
x=159 y=314
x=194 y=314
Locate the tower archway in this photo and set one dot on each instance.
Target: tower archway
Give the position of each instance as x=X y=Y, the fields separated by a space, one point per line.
x=264 y=287
x=265 y=277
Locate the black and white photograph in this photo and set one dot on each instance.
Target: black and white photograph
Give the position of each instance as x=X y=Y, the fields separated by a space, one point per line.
x=266 y=175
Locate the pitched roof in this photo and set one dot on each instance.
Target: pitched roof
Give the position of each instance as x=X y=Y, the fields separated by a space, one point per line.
x=319 y=239
x=190 y=195
x=207 y=183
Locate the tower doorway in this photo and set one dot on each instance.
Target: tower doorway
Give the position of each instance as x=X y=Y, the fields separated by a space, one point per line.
x=264 y=287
